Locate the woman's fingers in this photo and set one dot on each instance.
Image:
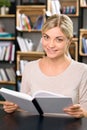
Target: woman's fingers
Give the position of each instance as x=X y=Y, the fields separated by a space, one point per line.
x=75 y=111
x=9 y=107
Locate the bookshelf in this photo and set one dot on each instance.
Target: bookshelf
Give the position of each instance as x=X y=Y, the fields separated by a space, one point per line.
x=72 y=5
x=83 y=34
x=22 y=58
x=69 y=7
x=73 y=49
x=83 y=31
x=7 y=50
x=83 y=3
x=33 y=33
x=32 y=13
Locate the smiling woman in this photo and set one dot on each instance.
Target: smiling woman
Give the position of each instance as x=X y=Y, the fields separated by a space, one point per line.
x=55 y=41
x=60 y=30
x=56 y=72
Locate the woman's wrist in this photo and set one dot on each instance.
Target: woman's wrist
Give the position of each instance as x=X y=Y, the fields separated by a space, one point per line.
x=85 y=113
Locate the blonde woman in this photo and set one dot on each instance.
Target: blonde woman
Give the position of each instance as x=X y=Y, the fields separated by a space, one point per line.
x=56 y=72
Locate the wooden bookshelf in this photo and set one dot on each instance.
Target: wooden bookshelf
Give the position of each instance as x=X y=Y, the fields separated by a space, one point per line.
x=73 y=49
x=30 y=10
x=70 y=3
x=83 y=33
x=83 y=3
x=29 y=56
x=8 y=21
x=66 y=4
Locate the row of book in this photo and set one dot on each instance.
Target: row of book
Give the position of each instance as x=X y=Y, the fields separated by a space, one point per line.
x=54 y=7
x=25 y=23
x=21 y=67
x=84 y=45
x=84 y=2
x=68 y=10
x=26 y=44
x=7 y=74
x=7 y=51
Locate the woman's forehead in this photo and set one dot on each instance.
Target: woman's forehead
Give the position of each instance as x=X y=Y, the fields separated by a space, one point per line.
x=56 y=31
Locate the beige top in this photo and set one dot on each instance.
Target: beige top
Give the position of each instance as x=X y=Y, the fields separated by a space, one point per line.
x=72 y=82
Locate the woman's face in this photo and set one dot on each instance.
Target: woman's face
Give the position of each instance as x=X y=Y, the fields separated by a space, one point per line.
x=55 y=43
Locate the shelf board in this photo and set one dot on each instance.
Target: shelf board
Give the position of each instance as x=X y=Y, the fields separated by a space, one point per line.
x=32 y=30
x=73 y=15
x=32 y=53
x=83 y=54
x=13 y=38
x=75 y=39
x=29 y=55
x=83 y=6
x=83 y=30
x=30 y=6
x=7 y=16
x=7 y=83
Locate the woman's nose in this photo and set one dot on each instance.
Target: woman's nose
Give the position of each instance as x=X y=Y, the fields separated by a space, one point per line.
x=51 y=44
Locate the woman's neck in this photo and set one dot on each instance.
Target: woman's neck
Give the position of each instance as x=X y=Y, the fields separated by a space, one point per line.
x=54 y=66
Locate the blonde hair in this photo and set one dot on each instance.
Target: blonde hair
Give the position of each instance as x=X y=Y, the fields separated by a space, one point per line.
x=62 y=21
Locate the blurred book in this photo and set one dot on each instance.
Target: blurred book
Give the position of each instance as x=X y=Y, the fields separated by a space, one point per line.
x=25 y=44
x=39 y=23
x=6 y=35
x=84 y=44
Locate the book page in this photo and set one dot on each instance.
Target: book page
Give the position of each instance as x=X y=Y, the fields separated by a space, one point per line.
x=42 y=93
x=54 y=105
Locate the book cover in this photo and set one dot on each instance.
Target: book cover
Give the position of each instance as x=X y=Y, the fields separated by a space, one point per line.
x=21 y=44
x=84 y=45
x=12 y=58
x=3 y=75
x=39 y=22
x=42 y=102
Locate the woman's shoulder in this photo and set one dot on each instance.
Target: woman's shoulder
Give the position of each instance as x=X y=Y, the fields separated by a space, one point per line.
x=79 y=65
x=32 y=63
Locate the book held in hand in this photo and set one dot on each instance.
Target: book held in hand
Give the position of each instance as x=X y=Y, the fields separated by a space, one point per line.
x=42 y=102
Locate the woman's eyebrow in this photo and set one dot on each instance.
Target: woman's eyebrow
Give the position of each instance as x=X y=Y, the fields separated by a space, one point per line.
x=55 y=37
x=46 y=34
x=59 y=37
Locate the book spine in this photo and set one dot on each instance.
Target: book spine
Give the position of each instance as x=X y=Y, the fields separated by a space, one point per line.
x=38 y=107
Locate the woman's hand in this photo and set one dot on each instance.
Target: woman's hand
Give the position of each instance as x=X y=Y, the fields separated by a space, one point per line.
x=9 y=107
x=75 y=111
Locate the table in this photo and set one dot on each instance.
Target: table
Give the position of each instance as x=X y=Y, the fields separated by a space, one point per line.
x=24 y=121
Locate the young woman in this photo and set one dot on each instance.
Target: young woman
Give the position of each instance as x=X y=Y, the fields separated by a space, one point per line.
x=56 y=72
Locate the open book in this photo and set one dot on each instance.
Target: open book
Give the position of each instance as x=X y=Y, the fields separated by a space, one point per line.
x=42 y=102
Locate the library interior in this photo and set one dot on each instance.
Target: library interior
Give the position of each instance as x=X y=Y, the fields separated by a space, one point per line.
x=20 y=34
x=21 y=22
